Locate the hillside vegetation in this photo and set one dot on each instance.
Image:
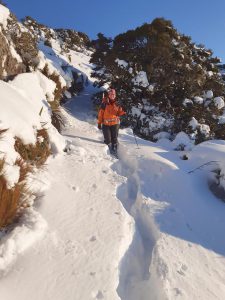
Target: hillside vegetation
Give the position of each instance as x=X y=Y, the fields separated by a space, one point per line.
x=164 y=80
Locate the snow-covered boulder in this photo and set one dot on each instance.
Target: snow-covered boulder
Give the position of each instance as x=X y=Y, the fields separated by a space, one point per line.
x=209 y=94
x=198 y=100
x=122 y=63
x=141 y=79
x=187 y=102
x=219 y=102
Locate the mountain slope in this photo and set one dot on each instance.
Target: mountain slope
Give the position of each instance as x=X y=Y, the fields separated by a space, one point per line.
x=146 y=226
x=141 y=227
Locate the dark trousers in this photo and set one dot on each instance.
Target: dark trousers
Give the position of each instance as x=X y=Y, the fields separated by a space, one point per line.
x=110 y=134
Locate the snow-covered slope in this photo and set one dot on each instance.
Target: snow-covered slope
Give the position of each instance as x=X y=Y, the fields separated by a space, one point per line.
x=141 y=227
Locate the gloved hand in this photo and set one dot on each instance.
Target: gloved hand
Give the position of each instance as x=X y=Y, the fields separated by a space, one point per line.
x=100 y=126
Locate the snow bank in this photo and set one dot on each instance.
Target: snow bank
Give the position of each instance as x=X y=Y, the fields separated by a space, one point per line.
x=54 y=63
x=31 y=229
x=30 y=84
x=4 y=15
x=21 y=114
x=36 y=87
x=26 y=110
x=57 y=141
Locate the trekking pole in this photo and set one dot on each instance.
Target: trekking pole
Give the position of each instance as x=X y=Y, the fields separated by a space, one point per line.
x=135 y=138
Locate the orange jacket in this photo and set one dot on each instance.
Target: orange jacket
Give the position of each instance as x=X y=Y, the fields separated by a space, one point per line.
x=109 y=114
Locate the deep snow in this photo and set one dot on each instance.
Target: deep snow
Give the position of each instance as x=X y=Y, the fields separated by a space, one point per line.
x=138 y=228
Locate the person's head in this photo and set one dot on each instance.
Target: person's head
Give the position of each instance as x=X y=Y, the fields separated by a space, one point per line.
x=112 y=95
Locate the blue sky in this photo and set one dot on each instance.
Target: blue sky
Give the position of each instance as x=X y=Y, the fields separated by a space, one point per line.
x=203 y=20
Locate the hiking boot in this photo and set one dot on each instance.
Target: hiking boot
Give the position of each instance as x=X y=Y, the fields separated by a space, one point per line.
x=110 y=147
x=114 y=147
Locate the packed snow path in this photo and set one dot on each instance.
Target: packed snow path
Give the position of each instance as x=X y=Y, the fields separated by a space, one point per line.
x=88 y=229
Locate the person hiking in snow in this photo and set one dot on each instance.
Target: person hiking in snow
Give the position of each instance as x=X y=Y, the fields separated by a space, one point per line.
x=109 y=121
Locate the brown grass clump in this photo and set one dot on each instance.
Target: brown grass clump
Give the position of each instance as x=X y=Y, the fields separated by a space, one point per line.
x=57 y=119
x=35 y=154
x=59 y=90
x=1 y=165
x=2 y=131
x=24 y=169
x=14 y=200
x=11 y=200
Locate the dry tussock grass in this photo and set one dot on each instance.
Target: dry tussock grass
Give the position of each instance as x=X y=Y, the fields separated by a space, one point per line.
x=10 y=201
x=14 y=200
x=57 y=119
x=25 y=169
x=35 y=154
x=59 y=90
x=2 y=131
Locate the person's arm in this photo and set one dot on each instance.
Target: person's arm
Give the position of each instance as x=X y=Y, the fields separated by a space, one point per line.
x=100 y=118
x=121 y=112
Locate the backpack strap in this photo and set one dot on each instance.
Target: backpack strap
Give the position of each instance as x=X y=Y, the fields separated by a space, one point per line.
x=103 y=105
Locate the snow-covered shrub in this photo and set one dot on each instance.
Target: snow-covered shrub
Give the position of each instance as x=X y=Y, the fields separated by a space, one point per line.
x=162 y=135
x=10 y=63
x=193 y=123
x=217 y=181
x=178 y=78
x=221 y=177
x=219 y=185
x=182 y=142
